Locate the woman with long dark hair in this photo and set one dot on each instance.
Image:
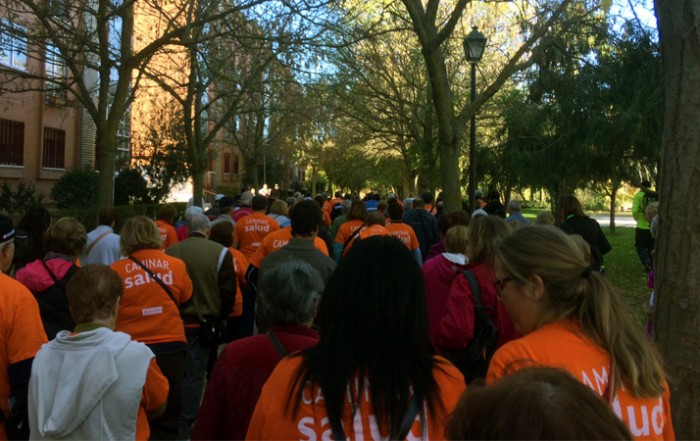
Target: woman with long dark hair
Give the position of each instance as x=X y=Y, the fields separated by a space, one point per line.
x=373 y=373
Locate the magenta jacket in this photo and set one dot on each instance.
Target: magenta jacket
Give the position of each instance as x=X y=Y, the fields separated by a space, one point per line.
x=438 y=274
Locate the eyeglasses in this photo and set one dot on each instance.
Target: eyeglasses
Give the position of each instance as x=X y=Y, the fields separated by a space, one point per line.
x=499 y=284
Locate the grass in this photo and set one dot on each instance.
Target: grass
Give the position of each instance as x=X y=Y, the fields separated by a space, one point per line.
x=624 y=271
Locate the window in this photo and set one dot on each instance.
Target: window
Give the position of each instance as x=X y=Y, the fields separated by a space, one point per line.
x=13 y=45
x=55 y=67
x=11 y=142
x=227 y=163
x=235 y=165
x=54 y=148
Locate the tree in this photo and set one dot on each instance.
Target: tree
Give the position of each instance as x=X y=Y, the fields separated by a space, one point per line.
x=677 y=320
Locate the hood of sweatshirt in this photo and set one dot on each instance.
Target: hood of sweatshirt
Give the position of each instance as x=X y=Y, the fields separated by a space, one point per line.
x=71 y=374
x=35 y=277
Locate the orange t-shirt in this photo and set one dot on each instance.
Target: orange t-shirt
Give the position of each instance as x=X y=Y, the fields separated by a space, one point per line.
x=276 y=240
x=563 y=345
x=168 y=235
x=346 y=229
x=251 y=230
x=21 y=333
x=273 y=418
x=155 y=393
x=366 y=232
x=405 y=233
x=146 y=312
x=240 y=265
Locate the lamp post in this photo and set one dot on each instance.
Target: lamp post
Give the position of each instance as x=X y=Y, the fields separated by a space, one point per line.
x=474 y=45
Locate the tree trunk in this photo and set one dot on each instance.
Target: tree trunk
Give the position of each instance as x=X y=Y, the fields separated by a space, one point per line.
x=677 y=315
x=107 y=148
x=613 y=205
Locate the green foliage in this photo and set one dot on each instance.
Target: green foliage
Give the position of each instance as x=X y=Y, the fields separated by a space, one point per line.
x=130 y=188
x=19 y=199
x=76 y=188
x=88 y=216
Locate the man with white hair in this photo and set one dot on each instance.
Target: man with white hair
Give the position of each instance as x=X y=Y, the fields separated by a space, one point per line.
x=21 y=336
x=210 y=266
x=514 y=214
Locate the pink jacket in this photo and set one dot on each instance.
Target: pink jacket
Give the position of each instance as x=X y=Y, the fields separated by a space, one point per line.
x=456 y=327
x=35 y=277
x=438 y=274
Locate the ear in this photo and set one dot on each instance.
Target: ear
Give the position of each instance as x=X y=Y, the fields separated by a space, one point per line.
x=537 y=284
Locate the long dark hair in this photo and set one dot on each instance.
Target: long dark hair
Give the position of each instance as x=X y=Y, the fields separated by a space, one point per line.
x=375 y=327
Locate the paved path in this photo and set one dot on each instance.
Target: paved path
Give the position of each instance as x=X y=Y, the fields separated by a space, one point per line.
x=621 y=220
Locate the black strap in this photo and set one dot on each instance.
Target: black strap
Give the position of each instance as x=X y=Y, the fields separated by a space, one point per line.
x=406 y=424
x=354 y=233
x=156 y=278
x=474 y=285
x=53 y=276
x=279 y=347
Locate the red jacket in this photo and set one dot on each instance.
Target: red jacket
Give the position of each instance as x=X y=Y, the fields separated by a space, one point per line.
x=237 y=380
x=438 y=273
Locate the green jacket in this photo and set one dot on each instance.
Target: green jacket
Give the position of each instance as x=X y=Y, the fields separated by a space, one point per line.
x=638 y=210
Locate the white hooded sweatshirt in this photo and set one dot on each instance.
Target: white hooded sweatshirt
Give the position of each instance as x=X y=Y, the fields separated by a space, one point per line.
x=87 y=386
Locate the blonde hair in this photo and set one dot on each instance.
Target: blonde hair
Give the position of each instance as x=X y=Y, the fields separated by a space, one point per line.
x=573 y=291
x=67 y=236
x=139 y=233
x=544 y=218
x=457 y=239
x=483 y=232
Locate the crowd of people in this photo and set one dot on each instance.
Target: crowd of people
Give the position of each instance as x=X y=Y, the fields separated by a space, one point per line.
x=306 y=318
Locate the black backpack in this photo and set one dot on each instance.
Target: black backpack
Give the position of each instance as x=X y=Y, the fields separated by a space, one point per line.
x=473 y=361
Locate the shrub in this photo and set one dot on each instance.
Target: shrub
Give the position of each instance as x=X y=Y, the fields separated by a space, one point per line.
x=130 y=188
x=20 y=199
x=76 y=188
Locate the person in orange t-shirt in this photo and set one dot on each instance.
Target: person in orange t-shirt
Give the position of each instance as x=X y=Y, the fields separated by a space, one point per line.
x=401 y=230
x=347 y=230
x=110 y=383
x=276 y=240
x=572 y=318
x=252 y=229
x=168 y=234
x=304 y=389
x=21 y=330
x=375 y=226
x=149 y=314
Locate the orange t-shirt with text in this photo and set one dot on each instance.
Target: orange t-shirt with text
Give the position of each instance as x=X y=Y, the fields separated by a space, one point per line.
x=367 y=232
x=251 y=230
x=346 y=229
x=274 y=419
x=563 y=345
x=276 y=240
x=405 y=233
x=168 y=234
x=146 y=312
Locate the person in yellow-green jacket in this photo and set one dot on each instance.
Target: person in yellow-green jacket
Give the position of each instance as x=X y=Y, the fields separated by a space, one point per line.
x=643 y=241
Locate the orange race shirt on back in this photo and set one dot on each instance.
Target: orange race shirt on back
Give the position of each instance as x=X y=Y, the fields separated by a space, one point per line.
x=168 y=234
x=276 y=240
x=240 y=265
x=274 y=419
x=563 y=345
x=251 y=230
x=146 y=312
x=405 y=233
x=346 y=229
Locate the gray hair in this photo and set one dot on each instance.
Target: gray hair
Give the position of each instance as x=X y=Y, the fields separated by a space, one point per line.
x=345 y=208
x=514 y=205
x=191 y=211
x=198 y=224
x=287 y=294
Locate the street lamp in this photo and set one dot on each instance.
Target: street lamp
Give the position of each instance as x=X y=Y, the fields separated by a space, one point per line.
x=474 y=45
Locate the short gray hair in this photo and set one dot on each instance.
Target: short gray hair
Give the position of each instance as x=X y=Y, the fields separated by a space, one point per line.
x=191 y=211
x=198 y=224
x=345 y=208
x=514 y=205
x=287 y=294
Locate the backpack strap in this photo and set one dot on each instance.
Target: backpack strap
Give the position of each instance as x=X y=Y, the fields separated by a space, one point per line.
x=156 y=278
x=53 y=276
x=279 y=347
x=474 y=285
